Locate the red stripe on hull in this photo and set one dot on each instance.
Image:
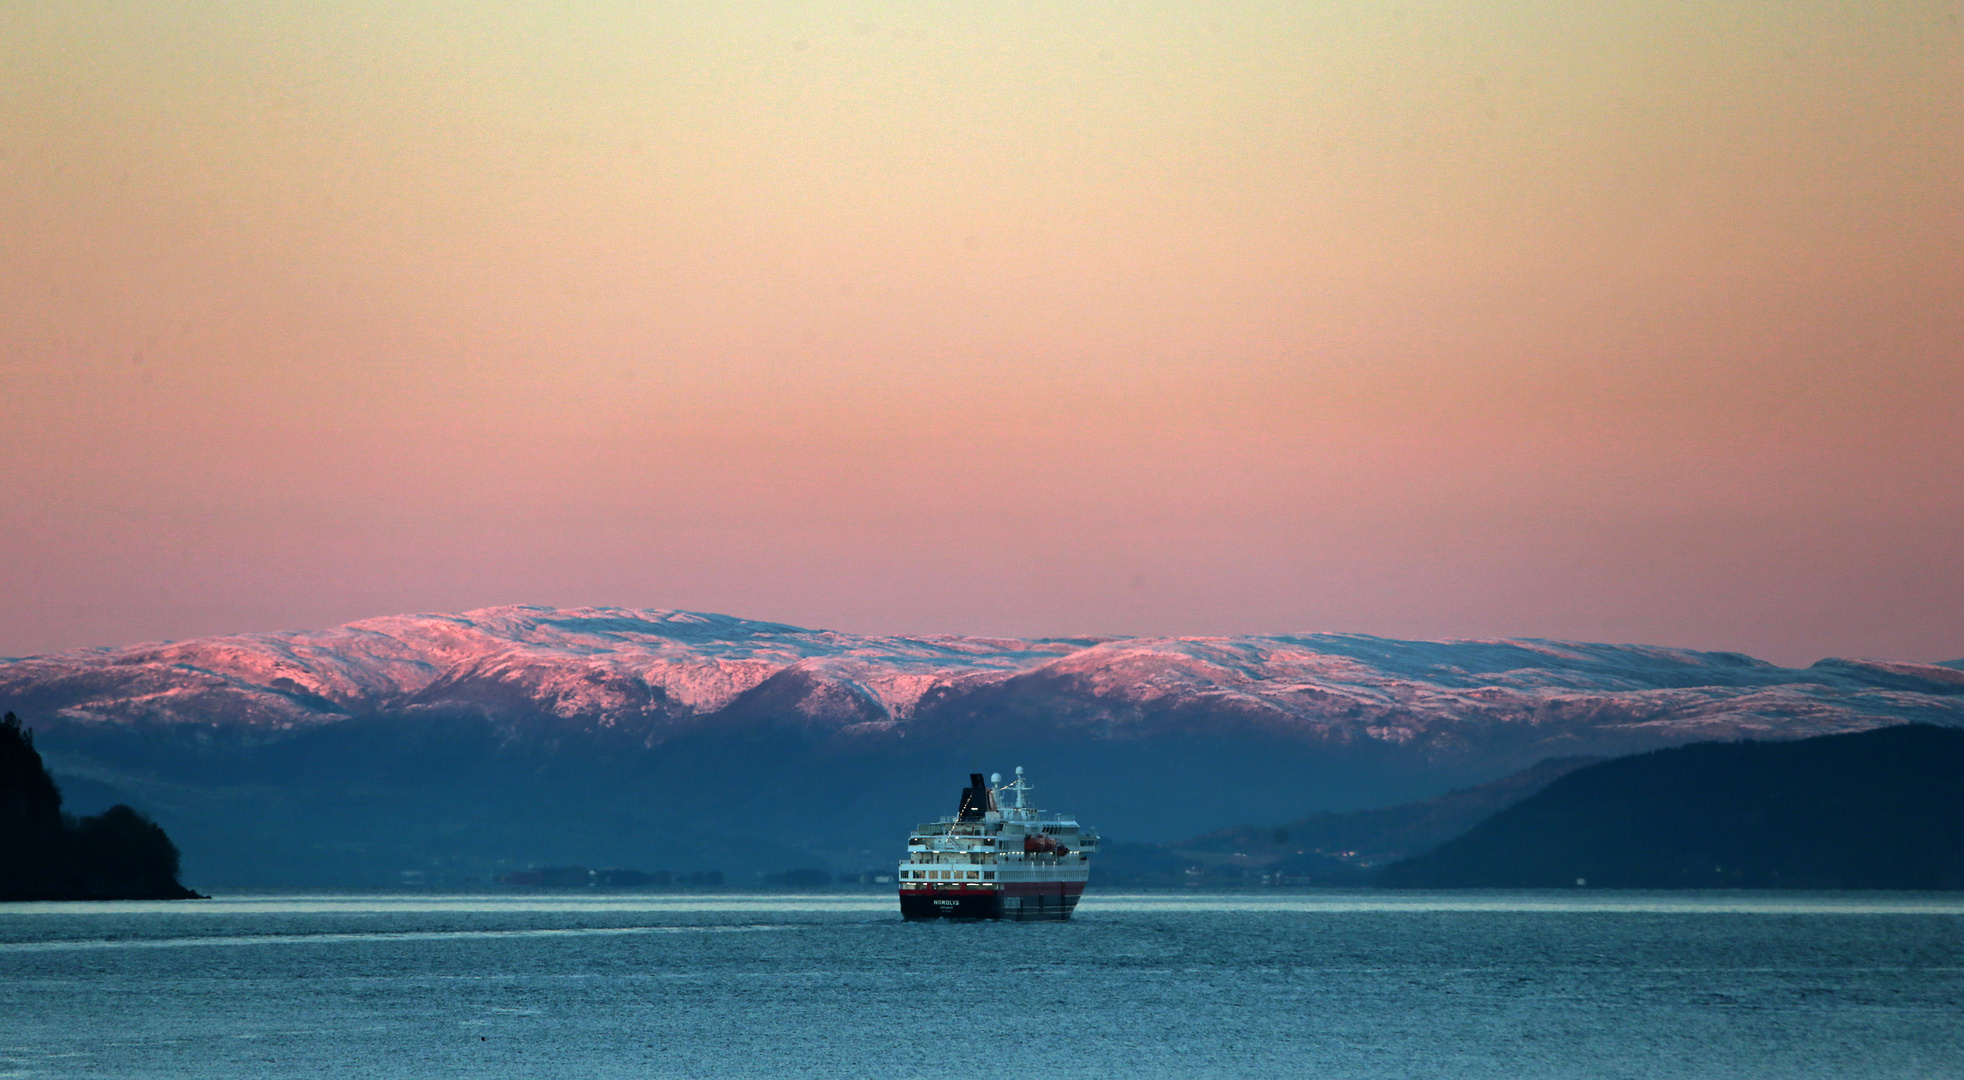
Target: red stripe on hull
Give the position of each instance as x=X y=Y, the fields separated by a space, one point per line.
x=949 y=889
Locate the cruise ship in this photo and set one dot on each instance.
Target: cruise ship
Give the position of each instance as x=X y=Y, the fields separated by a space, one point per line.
x=988 y=861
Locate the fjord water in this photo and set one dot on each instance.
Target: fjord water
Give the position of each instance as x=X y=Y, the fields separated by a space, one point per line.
x=1319 y=985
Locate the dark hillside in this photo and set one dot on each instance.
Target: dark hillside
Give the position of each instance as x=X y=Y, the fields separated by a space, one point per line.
x=1378 y=836
x=1881 y=809
x=1330 y=848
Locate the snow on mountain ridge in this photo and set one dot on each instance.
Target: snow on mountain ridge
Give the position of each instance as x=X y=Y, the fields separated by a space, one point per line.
x=662 y=668
x=571 y=661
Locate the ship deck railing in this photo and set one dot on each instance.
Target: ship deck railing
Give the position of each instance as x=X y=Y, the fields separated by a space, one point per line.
x=1023 y=817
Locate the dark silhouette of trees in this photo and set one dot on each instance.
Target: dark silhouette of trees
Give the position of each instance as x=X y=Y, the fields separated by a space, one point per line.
x=47 y=855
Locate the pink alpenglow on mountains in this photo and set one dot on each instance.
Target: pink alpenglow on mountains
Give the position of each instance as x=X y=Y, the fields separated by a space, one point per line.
x=659 y=673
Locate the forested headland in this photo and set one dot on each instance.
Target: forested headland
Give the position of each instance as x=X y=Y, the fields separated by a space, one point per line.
x=48 y=855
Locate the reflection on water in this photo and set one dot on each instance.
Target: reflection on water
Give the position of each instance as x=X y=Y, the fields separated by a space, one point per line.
x=1741 y=903
x=333 y=938
x=1358 y=985
x=1351 y=900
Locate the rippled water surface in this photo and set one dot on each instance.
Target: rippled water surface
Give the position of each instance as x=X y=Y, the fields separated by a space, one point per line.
x=1321 y=985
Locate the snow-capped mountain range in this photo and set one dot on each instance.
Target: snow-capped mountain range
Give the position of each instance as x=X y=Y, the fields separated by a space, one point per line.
x=677 y=740
x=656 y=672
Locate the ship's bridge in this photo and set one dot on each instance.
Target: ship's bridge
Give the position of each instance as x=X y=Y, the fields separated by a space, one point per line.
x=986 y=833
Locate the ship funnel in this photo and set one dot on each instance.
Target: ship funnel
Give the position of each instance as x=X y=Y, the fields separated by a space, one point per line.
x=977 y=799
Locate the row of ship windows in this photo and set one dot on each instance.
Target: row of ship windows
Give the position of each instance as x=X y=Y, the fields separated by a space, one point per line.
x=944 y=875
x=986 y=841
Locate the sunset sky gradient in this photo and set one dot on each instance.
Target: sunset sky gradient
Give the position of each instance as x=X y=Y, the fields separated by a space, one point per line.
x=1629 y=322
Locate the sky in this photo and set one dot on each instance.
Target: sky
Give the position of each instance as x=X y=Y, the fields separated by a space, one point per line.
x=1627 y=322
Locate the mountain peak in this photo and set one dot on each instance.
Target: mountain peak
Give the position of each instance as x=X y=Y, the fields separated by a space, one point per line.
x=661 y=669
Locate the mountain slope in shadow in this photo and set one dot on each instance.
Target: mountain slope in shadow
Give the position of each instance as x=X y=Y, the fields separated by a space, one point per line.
x=1881 y=809
x=1330 y=848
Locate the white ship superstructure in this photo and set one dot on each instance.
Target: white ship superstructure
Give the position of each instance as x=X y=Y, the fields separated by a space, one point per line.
x=989 y=861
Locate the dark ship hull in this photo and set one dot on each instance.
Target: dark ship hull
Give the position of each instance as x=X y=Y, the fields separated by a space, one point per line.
x=1045 y=902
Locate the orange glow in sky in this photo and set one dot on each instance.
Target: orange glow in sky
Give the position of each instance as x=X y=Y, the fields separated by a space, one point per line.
x=1643 y=323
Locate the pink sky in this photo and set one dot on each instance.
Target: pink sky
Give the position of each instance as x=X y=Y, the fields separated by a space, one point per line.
x=1643 y=324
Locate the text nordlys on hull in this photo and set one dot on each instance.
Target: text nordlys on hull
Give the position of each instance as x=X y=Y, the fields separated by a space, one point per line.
x=988 y=861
